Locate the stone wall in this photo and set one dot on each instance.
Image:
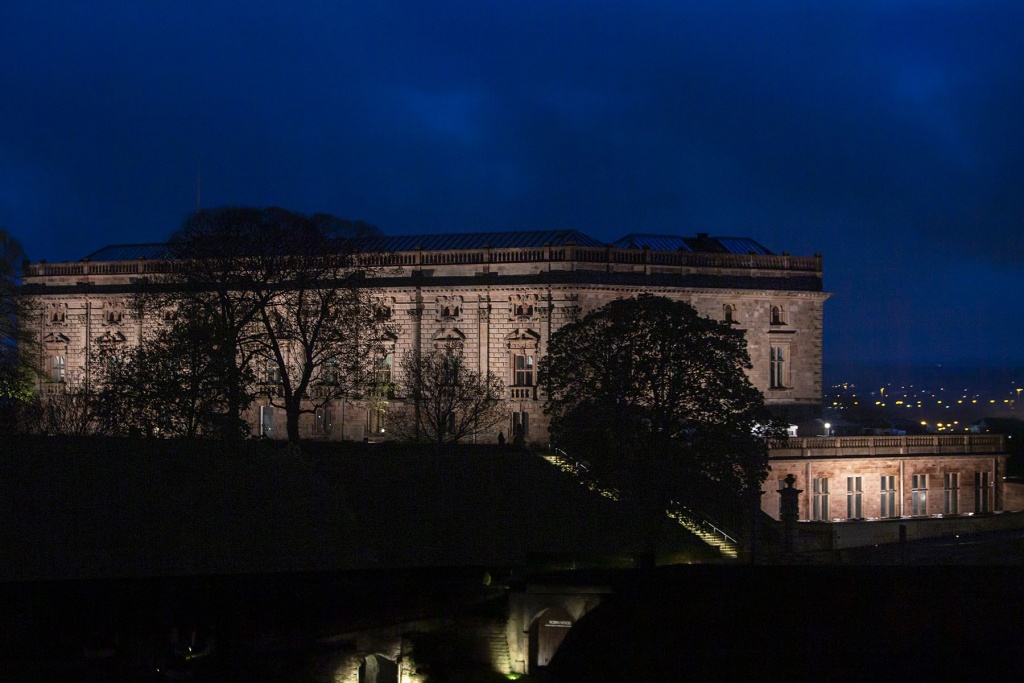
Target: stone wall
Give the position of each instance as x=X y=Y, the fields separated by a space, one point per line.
x=936 y=492
x=495 y=311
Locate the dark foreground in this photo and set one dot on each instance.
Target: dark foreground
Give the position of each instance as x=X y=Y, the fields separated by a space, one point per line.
x=679 y=623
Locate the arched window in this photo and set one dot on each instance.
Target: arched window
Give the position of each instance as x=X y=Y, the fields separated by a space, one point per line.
x=778 y=315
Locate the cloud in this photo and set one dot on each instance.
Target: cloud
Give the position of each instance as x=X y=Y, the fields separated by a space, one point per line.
x=813 y=128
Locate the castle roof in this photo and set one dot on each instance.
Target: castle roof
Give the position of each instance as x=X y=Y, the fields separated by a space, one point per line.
x=701 y=243
x=480 y=240
x=475 y=240
x=129 y=252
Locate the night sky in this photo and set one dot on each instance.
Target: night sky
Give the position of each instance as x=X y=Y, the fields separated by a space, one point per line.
x=886 y=135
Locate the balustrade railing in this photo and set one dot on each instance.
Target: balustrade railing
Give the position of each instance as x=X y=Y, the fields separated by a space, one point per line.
x=853 y=446
x=522 y=393
x=607 y=255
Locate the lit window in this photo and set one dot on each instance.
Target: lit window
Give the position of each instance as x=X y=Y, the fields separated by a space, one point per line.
x=778 y=367
x=951 y=489
x=266 y=421
x=324 y=421
x=888 y=502
x=982 y=487
x=919 y=495
x=820 y=511
x=58 y=365
x=523 y=371
x=854 y=498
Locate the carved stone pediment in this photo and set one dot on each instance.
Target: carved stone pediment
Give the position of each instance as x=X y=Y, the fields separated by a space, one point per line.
x=449 y=334
x=522 y=339
x=57 y=339
x=111 y=337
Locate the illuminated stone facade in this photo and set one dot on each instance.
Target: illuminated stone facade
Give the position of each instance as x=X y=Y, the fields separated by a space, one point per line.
x=889 y=477
x=501 y=303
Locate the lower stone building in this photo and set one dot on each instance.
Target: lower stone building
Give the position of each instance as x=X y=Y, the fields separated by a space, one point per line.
x=878 y=478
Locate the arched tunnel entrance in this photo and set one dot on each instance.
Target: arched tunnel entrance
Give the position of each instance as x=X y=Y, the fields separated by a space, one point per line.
x=547 y=632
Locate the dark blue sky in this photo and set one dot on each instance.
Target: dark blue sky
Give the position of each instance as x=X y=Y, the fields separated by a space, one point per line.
x=885 y=135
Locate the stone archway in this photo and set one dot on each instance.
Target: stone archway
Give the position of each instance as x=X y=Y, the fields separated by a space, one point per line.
x=378 y=669
x=547 y=632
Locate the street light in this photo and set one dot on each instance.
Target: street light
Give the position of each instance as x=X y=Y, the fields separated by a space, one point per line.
x=828 y=426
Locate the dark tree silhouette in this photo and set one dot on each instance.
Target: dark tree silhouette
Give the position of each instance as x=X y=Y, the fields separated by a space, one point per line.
x=281 y=299
x=68 y=412
x=656 y=398
x=18 y=357
x=445 y=401
x=171 y=384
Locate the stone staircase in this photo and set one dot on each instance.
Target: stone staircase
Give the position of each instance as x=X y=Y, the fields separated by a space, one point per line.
x=705 y=531
x=686 y=518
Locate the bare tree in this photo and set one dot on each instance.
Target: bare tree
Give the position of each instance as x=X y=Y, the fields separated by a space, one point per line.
x=445 y=400
x=170 y=384
x=320 y=334
x=68 y=411
x=17 y=344
x=282 y=299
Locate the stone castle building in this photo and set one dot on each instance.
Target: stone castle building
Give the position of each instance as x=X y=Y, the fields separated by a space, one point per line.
x=499 y=296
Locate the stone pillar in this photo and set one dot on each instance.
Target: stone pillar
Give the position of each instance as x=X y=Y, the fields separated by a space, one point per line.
x=789 y=512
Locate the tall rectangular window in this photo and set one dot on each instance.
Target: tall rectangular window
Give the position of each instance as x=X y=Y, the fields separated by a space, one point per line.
x=58 y=367
x=524 y=371
x=982 y=496
x=378 y=417
x=324 y=421
x=854 y=498
x=919 y=495
x=819 y=513
x=273 y=372
x=330 y=372
x=951 y=493
x=778 y=367
x=888 y=500
x=384 y=370
x=266 y=421
x=520 y=425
